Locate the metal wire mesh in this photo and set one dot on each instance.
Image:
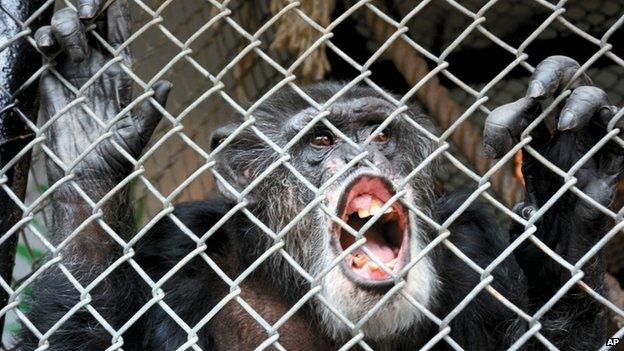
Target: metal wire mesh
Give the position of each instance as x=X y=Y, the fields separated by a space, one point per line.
x=221 y=62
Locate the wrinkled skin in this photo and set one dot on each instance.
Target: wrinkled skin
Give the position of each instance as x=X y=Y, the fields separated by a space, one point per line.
x=578 y=125
x=76 y=130
x=570 y=226
x=527 y=279
x=567 y=134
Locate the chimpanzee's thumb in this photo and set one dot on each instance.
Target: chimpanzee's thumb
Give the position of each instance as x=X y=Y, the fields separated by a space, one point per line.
x=149 y=116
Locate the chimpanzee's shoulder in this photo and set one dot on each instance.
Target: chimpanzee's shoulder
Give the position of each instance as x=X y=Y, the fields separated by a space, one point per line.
x=478 y=235
x=195 y=288
x=177 y=234
x=476 y=216
x=476 y=231
x=203 y=213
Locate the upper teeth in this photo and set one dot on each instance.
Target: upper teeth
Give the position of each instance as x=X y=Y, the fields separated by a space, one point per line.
x=373 y=209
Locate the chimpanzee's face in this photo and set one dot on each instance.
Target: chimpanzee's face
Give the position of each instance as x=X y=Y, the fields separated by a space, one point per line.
x=359 y=235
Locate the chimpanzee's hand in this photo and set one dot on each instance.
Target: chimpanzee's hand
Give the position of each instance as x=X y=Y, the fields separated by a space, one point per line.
x=570 y=226
x=577 y=127
x=105 y=89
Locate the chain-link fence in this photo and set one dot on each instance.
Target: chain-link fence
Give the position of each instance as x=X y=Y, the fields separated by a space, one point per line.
x=457 y=60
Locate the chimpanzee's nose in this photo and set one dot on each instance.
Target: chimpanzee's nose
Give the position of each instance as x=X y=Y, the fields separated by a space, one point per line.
x=349 y=152
x=374 y=155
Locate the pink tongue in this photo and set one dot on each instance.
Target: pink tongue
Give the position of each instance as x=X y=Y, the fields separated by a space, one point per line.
x=378 y=246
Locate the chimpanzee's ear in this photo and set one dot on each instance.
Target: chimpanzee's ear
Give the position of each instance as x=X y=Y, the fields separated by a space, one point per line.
x=231 y=160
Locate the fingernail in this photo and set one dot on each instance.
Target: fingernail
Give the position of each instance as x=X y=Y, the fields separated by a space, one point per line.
x=536 y=89
x=45 y=40
x=76 y=53
x=163 y=89
x=167 y=85
x=567 y=121
x=86 y=11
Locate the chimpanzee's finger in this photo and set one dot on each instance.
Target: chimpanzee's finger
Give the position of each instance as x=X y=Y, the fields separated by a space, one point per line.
x=149 y=116
x=45 y=40
x=599 y=187
x=606 y=114
x=552 y=75
x=87 y=9
x=118 y=25
x=70 y=34
x=582 y=105
x=505 y=124
x=52 y=98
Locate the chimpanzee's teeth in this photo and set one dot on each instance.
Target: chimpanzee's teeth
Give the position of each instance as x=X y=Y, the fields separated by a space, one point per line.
x=363 y=213
x=360 y=260
x=373 y=209
x=372 y=266
x=392 y=263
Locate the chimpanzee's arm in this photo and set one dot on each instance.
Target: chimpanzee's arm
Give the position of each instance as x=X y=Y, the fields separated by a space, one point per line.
x=75 y=136
x=570 y=226
x=90 y=215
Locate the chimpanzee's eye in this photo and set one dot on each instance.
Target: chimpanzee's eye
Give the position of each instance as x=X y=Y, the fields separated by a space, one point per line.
x=381 y=137
x=322 y=138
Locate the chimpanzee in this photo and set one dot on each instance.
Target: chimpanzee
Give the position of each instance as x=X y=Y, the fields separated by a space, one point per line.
x=244 y=268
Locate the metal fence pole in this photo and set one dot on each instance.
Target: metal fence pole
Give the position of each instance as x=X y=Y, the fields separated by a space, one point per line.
x=19 y=61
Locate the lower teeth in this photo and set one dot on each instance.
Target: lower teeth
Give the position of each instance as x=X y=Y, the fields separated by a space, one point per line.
x=372 y=266
x=360 y=260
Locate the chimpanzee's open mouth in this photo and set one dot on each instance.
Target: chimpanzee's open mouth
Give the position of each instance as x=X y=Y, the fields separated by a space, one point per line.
x=387 y=239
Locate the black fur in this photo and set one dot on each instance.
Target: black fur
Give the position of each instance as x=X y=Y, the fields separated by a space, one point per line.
x=485 y=324
x=193 y=291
